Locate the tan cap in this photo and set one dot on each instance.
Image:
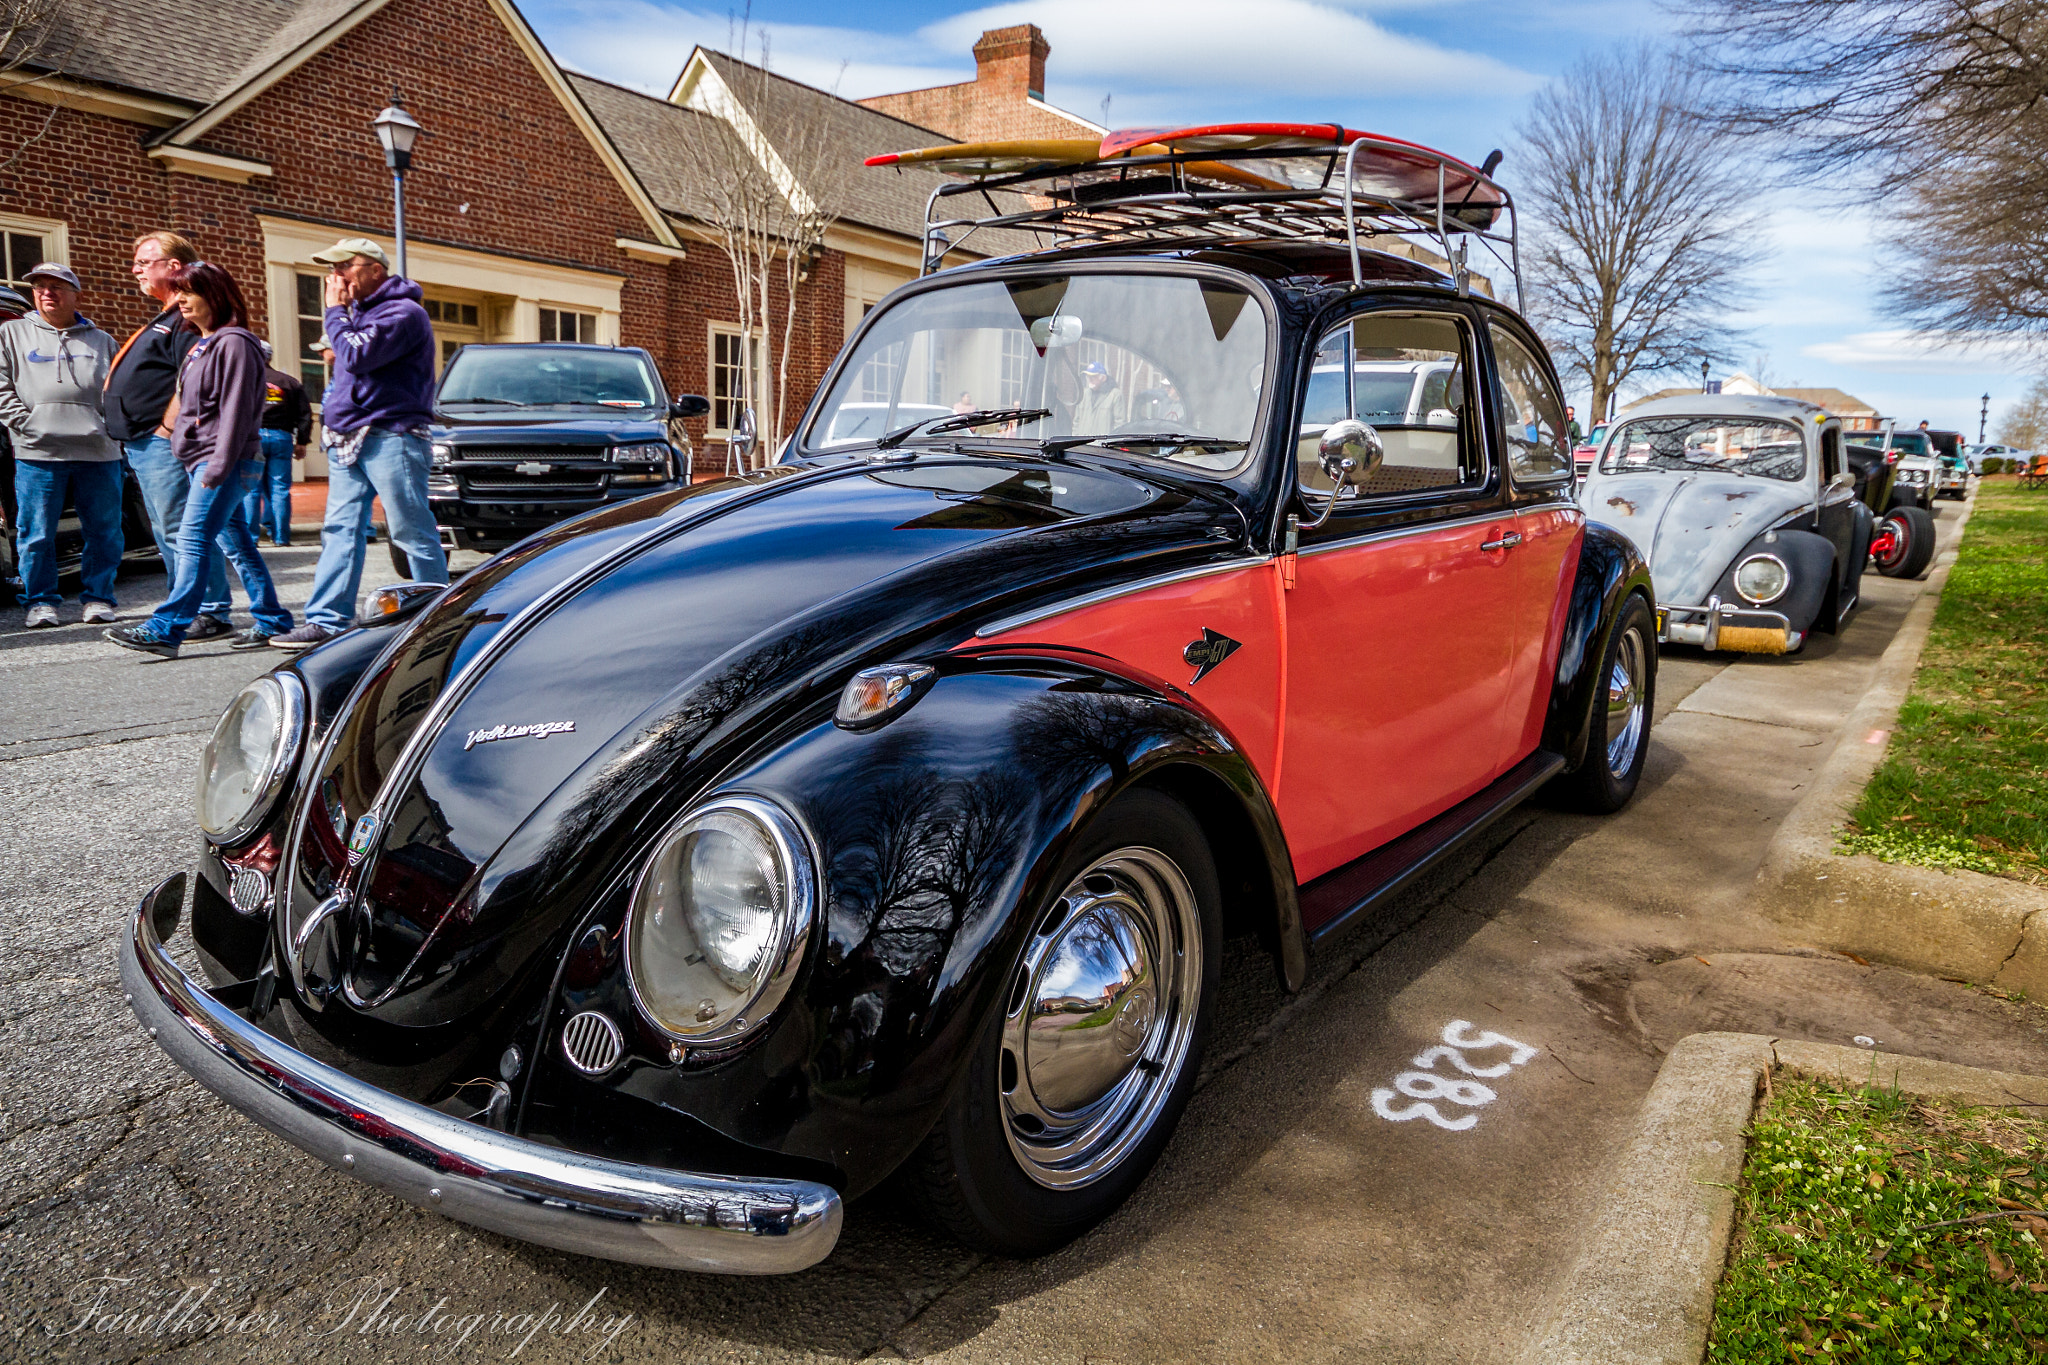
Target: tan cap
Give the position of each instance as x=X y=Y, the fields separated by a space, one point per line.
x=353 y=246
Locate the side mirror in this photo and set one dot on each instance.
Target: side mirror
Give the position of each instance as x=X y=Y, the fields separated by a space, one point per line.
x=1349 y=453
x=689 y=405
x=1843 y=479
x=1441 y=417
x=745 y=437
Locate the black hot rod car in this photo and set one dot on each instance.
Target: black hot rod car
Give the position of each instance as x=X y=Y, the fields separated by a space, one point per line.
x=702 y=861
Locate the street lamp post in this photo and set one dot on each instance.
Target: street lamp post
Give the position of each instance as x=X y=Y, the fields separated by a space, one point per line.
x=1703 y=376
x=1983 y=414
x=397 y=130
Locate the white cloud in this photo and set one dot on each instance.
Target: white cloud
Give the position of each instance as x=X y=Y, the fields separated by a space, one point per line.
x=1901 y=351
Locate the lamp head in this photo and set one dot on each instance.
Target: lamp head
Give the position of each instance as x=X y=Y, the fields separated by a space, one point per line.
x=397 y=131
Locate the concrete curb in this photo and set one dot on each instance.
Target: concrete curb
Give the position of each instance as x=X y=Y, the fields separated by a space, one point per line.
x=1949 y=922
x=1642 y=1289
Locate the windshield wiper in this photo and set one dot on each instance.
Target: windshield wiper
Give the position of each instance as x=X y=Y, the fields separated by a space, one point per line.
x=960 y=421
x=1121 y=440
x=493 y=402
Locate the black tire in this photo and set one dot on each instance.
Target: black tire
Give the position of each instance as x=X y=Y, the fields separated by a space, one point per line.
x=1606 y=778
x=1914 y=547
x=973 y=1176
x=400 y=563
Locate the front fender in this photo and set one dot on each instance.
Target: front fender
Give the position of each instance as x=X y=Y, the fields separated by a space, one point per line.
x=1810 y=560
x=938 y=835
x=1610 y=568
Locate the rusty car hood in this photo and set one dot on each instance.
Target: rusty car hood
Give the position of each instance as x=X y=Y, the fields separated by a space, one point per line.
x=1690 y=525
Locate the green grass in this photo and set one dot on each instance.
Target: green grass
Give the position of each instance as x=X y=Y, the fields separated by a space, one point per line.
x=1965 y=780
x=1833 y=1258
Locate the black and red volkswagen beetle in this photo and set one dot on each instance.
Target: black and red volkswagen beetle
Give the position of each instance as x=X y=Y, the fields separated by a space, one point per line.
x=698 y=863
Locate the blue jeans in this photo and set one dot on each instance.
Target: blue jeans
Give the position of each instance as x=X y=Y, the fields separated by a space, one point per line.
x=275 y=489
x=213 y=519
x=164 y=487
x=96 y=494
x=392 y=466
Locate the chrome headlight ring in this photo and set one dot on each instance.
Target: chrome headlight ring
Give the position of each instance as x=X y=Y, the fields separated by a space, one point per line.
x=286 y=695
x=664 y=925
x=1770 y=568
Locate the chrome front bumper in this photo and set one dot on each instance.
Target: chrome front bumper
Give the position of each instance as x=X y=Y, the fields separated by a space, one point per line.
x=609 y=1209
x=1674 y=627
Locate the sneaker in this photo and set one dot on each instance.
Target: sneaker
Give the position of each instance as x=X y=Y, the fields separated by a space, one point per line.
x=145 y=640
x=303 y=637
x=206 y=627
x=255 y=637
x=99 y=614
x=41 y=614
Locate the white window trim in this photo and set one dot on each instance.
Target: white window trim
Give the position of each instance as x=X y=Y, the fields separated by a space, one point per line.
x=712 y=331
x=604 y=331
x=57 y=237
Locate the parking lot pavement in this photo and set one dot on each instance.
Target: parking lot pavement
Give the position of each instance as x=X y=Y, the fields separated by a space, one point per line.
x=1307 y=1209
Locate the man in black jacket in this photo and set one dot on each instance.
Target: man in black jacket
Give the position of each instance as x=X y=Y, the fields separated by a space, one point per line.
x=287 y=426
x=139 y=388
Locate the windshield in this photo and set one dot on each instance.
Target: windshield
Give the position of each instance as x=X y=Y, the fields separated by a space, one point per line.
x=1773 y=450
x=1903 y=442
x=1107 y=355
x=550 y=377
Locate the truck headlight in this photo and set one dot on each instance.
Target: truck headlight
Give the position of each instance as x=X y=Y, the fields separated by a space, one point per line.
x=440 y=453
x=655 y=456
x=719 y=920
x=1762 y=578
x=242 y=771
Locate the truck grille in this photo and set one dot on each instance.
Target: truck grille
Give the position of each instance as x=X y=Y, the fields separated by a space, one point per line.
x=558 y=482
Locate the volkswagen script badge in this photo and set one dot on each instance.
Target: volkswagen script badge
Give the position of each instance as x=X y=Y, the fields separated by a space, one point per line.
x=540 y=731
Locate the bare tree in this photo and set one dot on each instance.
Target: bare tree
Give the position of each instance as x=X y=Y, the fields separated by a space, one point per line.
x=1935 y=108
x=33 y=50
x=2025 y=424
x=1641 y=225
x=770 y=189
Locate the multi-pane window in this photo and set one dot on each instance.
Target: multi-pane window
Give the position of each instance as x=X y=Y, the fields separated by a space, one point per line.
x=465 y=315
x=564 y=324
x=730 y=392
x=24 y=252
x=1016 y=365
x=312 y=312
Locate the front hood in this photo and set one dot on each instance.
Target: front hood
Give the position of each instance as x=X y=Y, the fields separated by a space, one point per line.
x=646 y=648
x=1689 y=526
x=501 y=428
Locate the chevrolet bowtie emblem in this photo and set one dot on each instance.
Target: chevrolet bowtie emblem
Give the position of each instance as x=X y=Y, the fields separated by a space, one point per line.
x=1204 y=654
x=532 y=467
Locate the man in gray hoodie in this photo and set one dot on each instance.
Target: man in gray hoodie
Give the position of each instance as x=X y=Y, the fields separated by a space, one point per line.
x=53 y=372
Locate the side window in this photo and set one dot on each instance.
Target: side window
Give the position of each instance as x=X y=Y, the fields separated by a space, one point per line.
x=1531 y=414
x=1404 y=375
x=1830 y=454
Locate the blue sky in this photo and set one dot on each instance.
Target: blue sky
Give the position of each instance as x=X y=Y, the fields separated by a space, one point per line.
x=1456 y=74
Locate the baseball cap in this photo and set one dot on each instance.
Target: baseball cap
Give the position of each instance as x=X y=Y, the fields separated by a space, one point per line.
x=1094 y=367
x=353 y=246
x=60 y=273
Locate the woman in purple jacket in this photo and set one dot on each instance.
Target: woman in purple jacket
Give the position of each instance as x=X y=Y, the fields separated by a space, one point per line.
x=217 y=411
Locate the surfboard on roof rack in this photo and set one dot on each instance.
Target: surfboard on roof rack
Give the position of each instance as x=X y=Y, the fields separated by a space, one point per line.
x=1225 y=180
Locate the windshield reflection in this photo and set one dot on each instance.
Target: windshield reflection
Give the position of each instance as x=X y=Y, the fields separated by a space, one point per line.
x=1771 y=450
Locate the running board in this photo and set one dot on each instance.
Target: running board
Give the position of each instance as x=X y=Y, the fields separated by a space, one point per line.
x=1335 y=900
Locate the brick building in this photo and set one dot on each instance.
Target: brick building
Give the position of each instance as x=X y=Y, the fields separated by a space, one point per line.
x=1004 y=101
x=541 y=204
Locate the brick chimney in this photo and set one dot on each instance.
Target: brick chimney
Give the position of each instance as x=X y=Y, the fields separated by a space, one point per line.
x=1011 y=61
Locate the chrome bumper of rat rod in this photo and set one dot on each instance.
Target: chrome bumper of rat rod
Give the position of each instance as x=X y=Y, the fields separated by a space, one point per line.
x=613 y=1210
x=1751 y=629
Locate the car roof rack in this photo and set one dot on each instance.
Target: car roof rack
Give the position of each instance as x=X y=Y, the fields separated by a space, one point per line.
x=1233 y=181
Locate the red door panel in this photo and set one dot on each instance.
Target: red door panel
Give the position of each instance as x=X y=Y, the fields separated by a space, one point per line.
x=1150 y=630
x=1399 y=651
x=1545 y=563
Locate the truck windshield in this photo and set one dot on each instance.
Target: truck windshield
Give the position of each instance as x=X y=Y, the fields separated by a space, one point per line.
x=549 y=377
x=1107 y=355
x=1774 y=450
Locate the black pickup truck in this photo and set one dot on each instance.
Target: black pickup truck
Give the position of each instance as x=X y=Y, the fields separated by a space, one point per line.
x=526 y=434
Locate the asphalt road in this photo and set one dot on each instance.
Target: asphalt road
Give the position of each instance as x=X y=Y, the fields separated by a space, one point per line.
x=1296 y=1215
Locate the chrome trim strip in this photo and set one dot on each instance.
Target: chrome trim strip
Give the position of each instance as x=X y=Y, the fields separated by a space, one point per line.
x=615 y=1210
x=1025 y=618
x=1413 y=528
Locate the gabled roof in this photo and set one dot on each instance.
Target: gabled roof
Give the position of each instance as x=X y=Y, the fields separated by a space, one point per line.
x=652 y=135
x=189 y=50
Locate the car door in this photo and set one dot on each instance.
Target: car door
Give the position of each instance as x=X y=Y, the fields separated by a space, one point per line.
x=1552 y=527
x=1400 y=613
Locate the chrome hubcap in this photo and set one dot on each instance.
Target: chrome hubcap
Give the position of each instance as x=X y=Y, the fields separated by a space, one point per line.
x=1625 y=704
x=1100 y=1018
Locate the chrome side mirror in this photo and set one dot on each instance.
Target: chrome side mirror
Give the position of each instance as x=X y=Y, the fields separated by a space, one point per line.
x=746 y=436
x=1349 y=453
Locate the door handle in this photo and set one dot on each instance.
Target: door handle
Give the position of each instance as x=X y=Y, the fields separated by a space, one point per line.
x=1506 y=542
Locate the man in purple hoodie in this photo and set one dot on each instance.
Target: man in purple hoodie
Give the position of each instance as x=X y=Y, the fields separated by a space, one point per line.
x=376 y=417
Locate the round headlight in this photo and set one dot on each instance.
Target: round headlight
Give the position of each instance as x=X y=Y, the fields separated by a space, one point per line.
x=243 y=769
x=719 y=920
x=1762 y=578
